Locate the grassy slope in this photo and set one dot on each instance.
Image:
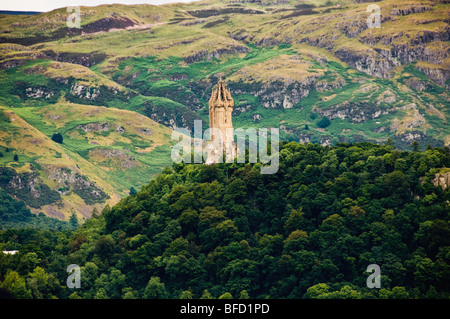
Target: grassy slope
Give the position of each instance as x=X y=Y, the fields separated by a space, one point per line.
x=29 y=132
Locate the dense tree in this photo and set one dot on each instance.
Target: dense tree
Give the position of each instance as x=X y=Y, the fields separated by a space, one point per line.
x=57 y=137
x=226 y=230
x=324 y=122
x=15 y=284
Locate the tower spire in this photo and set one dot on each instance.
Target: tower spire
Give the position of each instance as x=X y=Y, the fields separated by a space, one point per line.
x=220 y=116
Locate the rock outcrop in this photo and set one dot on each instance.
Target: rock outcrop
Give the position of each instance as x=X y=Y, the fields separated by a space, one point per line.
x=95 y=127
x=354 y=112
x=85 y=59
x=278 y=94
x=111 y=157
x=369 y=61
x=27 y=187
x=71 y=180
x=208 y=55
x=39 y=92
x=442 y=180
x=84 y=92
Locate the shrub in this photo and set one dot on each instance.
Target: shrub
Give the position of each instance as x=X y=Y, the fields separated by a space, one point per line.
x=57 y=137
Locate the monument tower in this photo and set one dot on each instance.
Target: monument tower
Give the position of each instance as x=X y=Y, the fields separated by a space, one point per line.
x=220 y=108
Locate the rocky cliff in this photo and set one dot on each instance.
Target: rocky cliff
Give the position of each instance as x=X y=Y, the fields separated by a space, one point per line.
x=442 y=179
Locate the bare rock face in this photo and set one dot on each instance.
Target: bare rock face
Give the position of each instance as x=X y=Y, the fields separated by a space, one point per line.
x=442 y=180
x=85 y=59
x=27 y=187
x=437 y=75
x=39 y=92
x=324 y=85
x=277 y=94
x=410 y=10
x=257 y=117
x=84 y=92
x=21 y=58
x=25 y=183
x=208 y=55
x=286 y=96
x=426 y=46
x=417 y=84
x=71 y=180
x=114 y=158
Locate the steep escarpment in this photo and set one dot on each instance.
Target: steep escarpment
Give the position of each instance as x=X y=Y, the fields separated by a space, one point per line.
x=221 y=231
x=27 y=187
x=70 y=179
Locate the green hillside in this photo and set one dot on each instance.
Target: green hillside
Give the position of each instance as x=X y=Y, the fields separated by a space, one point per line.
x=104 y=153
x=115 y=88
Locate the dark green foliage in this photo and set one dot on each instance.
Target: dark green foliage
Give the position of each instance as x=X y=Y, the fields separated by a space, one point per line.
x=324 y=122
x=50 y=92
x=225 y=230
x=14 y=214
x=57 y=137
x=284 y=45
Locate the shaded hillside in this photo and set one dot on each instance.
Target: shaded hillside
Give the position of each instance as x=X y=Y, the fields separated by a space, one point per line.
x=210 y=231
x=104 y=153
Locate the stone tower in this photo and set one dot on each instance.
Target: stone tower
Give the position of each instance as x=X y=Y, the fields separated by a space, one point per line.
x=220 y=108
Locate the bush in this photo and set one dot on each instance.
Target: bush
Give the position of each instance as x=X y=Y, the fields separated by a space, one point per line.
x=324 y=122
x=57 y=137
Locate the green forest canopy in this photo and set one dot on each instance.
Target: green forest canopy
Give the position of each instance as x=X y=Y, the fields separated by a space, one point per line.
x=215 y=231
